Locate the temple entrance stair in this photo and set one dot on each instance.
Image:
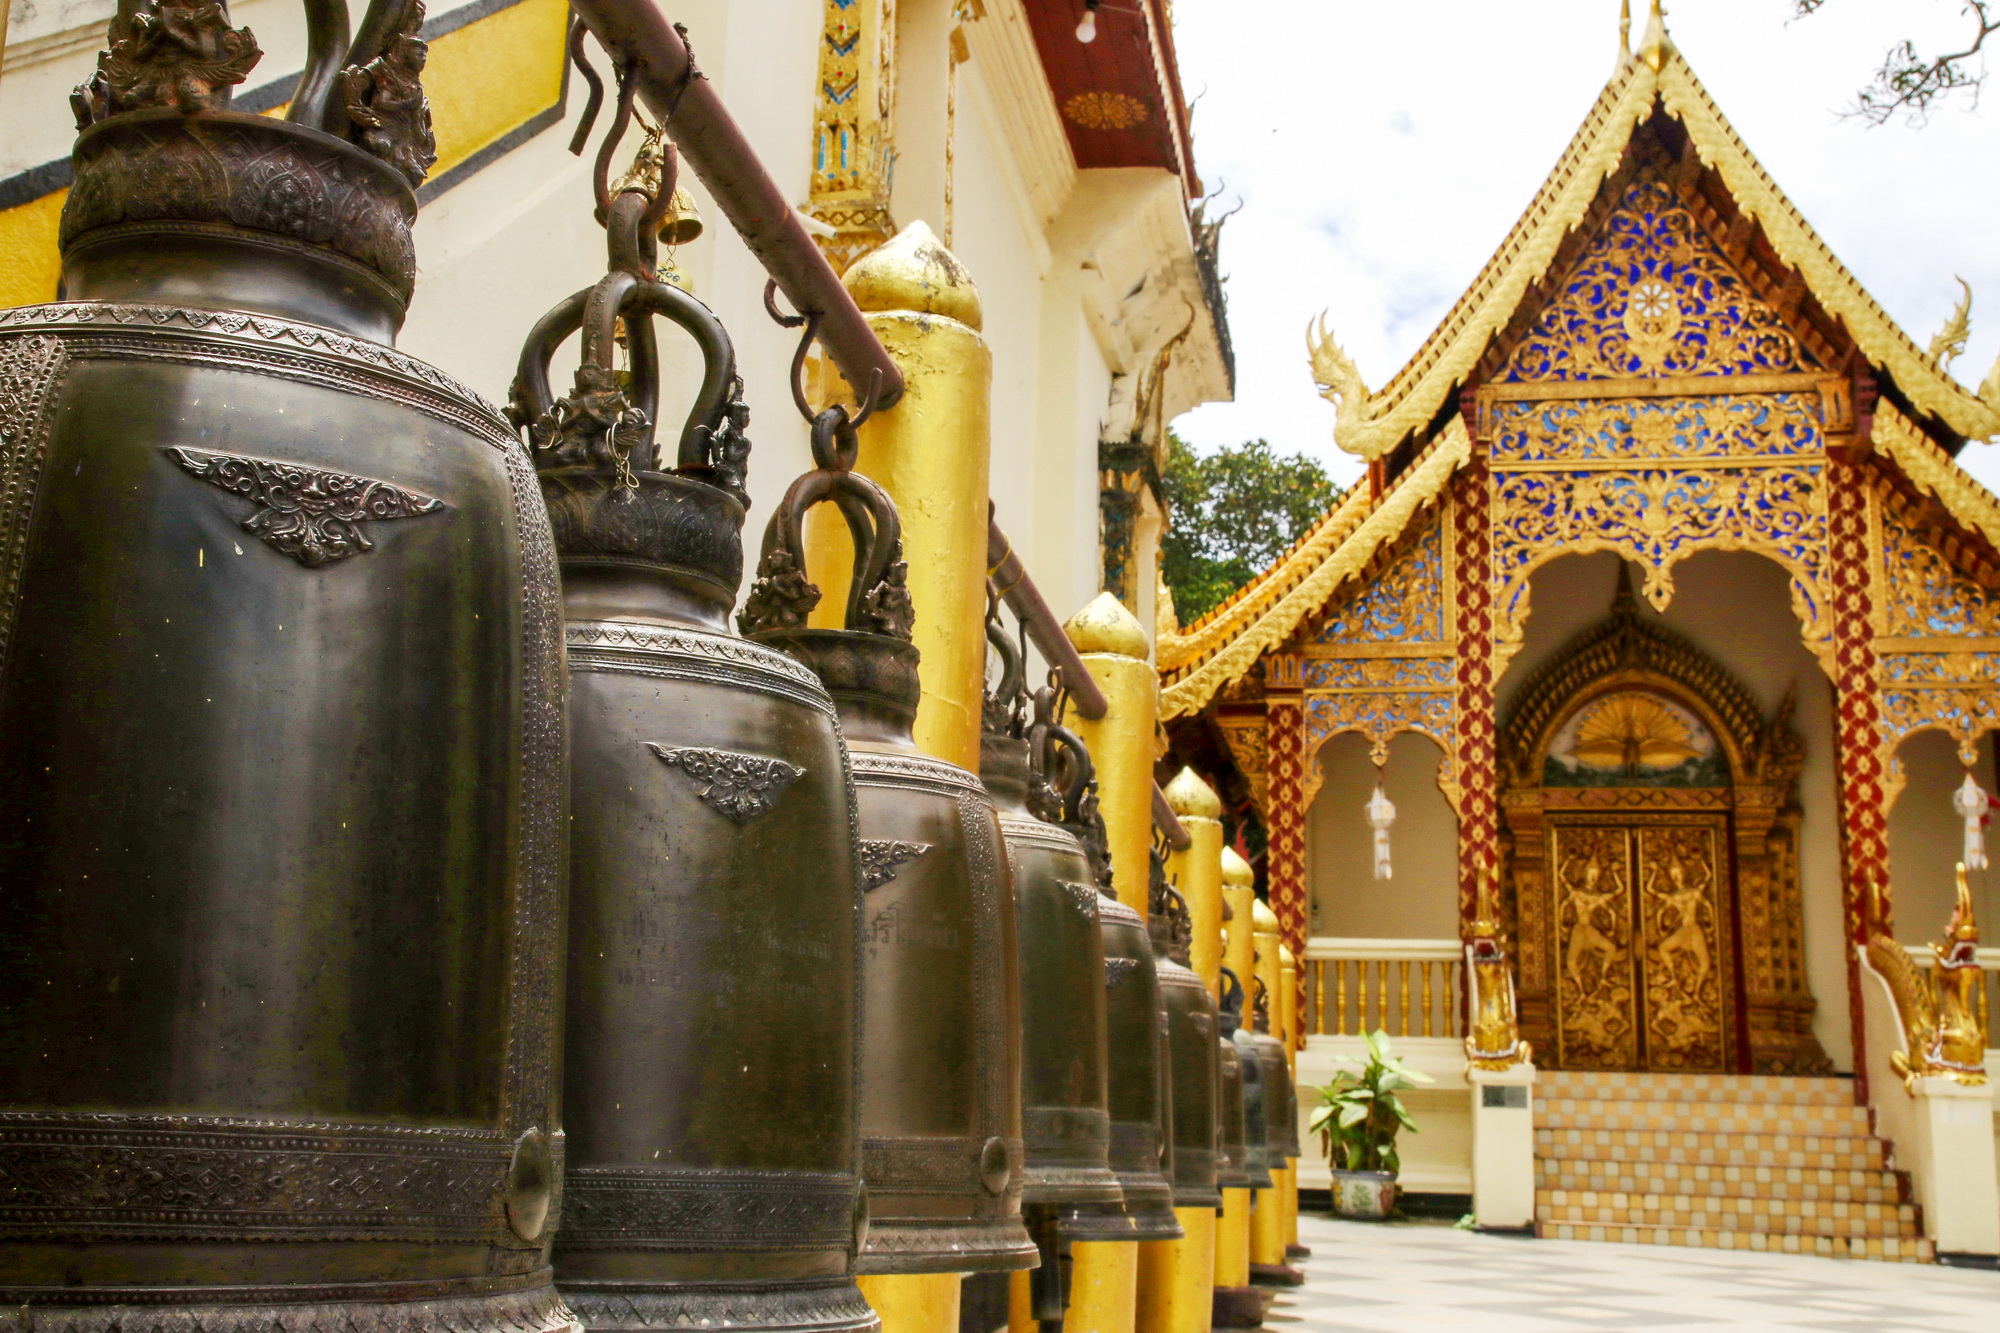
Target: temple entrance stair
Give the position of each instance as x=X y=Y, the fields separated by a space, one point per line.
x=1733 y=1162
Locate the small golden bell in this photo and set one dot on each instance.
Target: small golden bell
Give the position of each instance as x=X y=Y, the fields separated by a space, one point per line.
x=682 y=223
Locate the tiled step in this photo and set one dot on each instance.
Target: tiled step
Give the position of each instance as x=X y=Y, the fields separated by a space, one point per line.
x=1893 y=1248
x=1706 y=1181
x=1710 y=1118
x=1841 y=1153
x=1759 y=1089
x=1771 y=1216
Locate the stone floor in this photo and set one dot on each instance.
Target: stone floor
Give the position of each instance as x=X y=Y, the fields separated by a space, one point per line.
x=1406 y=1277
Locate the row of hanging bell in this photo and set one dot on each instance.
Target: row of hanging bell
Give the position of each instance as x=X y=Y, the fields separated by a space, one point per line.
x=1235 y=1165
x=1193 y=1064
x=1040 y=776
x=281 y=731
x=940 y=1102
x=710 y=1071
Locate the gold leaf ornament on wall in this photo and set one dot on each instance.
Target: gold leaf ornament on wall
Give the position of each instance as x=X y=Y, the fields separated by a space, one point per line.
x=1103 y=110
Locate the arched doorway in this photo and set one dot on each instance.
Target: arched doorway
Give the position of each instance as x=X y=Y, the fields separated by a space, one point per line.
x=1650 y=854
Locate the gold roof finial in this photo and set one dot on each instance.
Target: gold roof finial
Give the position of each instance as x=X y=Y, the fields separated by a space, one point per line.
x=1624 y=32
x=1655 y=44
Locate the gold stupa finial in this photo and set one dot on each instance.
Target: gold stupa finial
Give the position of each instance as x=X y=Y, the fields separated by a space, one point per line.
x=1105 y=626
x=913 y=270
x=1236 y=872
x=1655 y=44
x=1191 y=798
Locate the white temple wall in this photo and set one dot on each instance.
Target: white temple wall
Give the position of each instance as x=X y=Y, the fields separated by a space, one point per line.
x=1736 y=606
x=1420 y=900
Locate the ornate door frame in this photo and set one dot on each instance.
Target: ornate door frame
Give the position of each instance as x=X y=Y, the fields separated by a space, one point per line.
x=1763 y=757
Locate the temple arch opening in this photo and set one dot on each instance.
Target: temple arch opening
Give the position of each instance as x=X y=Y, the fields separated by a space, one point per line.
x=1927 y=836
x=1420 y=899
x=1734 y=607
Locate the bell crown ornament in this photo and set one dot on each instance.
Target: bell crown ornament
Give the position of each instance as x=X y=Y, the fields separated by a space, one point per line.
x=942 y=1151
x=642 y=536
x=170 y=184
x=711 y=849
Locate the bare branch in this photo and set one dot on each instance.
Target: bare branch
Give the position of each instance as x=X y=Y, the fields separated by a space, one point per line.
x=1912 y=85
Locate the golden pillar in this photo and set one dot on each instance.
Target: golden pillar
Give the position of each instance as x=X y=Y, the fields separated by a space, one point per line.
x=1232 y=1240
x=1239 y=893
x=914 y=1302
x=1177 y=1277
x=1294 y=1039
x=931 y=453
x=1267 y=1214
x=1198 y=871
x=1114 y=651
x=1103 y=1287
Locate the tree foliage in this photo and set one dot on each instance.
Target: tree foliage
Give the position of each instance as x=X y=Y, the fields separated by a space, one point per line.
x=1233 y=512
x=1911 y=84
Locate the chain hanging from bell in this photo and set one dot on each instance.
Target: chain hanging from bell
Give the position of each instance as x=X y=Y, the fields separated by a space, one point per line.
x=941 y=1081
x=281 y=731
x=713 y=956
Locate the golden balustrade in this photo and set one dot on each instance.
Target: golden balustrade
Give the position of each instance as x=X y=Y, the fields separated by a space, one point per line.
x=1408 y=988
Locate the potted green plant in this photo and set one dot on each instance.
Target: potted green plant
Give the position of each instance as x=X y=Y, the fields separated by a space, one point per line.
x=1357 y=1121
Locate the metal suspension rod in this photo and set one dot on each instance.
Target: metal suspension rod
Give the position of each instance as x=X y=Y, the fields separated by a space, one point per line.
x=636 y=31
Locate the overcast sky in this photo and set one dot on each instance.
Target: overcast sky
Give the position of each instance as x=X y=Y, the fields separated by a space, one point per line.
x=1381 y=151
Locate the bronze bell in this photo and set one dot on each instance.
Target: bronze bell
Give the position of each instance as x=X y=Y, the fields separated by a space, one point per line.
x=1141 y=1105
x=1232 y=1167
x=713 y=948
x=941 y=1095
x=281 y=735
x=1069 y=1191
x=1281 y=1117
x=1256 y=1120
x=1192 y=1032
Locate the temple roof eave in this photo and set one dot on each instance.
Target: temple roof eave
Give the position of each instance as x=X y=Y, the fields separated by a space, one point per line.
x=1448 y=358
x=1227 y=646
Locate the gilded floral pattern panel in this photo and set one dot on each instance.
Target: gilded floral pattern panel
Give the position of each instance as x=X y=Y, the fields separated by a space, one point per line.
x=1954 y=692
x=1404 y=605
x=1657 y=480
x=1653 y=295
x=1923 y=596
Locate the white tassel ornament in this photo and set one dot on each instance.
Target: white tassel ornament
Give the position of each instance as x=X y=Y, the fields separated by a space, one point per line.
x=1381 y=814
x=1971 y=803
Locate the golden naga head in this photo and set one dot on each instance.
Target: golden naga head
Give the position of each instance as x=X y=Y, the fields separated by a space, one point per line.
x=1961 y=933
x=1486 y=907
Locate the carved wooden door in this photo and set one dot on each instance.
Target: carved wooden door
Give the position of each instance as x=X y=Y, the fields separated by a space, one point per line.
x=1644 y=978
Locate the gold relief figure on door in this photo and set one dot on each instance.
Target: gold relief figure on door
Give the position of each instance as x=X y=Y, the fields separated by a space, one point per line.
x=1680 y=900
x=1595 y=1001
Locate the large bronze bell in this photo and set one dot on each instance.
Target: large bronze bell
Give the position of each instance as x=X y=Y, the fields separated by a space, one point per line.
x=940 y=1102
x=1232 y=1167
x=1069 y=1191
x=1135 y=1022
x=1192 y=1033
x=281 y=734
x=713 y=943
x=1256 y=1110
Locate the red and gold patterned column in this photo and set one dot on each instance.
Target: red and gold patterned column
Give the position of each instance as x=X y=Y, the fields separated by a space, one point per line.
x=1285 y=804
x=1857 y=724
x=1858 y=704
x=1478 y=813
